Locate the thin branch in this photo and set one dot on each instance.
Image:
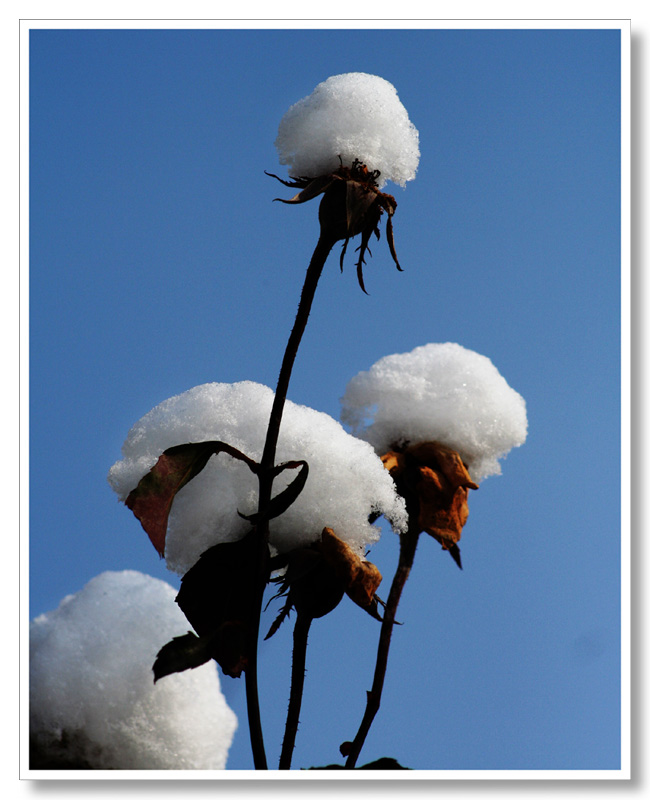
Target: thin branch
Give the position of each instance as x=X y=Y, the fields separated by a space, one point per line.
x=408 y=545
x=300 y=635
x=314 y=270
x=321 y=251
x=252 y=695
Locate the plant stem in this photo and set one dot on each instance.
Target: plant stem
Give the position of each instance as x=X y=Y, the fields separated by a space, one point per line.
x=265 y=476
x=299 y=658
x=408 y=545
x=321 y=251
x=252 y=695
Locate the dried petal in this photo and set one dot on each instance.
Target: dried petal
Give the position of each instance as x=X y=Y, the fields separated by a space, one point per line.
x=360 y=578
x=446 y=459
x=435 y=483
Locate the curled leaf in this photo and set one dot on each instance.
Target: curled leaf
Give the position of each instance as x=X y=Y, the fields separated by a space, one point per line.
x=281 y=502
x=152 y=498
x=380 y=763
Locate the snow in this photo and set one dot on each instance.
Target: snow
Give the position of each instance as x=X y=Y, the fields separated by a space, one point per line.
x=346 y=478
x=438 y=392
x=354 y=116
x=91 y=682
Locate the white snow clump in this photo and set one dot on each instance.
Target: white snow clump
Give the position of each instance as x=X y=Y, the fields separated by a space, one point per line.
x=438 y=392
x=93 y=702
x=346 y=478
x=354 y=116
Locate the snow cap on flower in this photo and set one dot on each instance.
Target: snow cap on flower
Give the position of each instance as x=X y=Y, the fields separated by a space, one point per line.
x=346 y=480
x=351 y=116
x=93 y=703
x=438 y=392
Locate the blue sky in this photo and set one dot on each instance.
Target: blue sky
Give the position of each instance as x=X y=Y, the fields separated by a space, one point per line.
x=158 y=261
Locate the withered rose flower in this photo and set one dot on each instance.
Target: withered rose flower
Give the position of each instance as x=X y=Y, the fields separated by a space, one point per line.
x=351 y=204
x=435 y=483
x=317 y=577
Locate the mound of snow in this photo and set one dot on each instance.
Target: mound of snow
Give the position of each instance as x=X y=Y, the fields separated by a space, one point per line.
x=351 y=116
x=346 y=478
x=438 y=392
x=93 y=702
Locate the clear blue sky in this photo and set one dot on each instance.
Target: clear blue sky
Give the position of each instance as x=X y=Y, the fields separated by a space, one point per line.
x=159 y=261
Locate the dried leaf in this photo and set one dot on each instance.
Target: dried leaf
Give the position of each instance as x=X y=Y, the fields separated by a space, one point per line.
x=152 y=499
x=380 y=763
x=443 y=510
x=218 y=598
x=391 y=242
x=183 y=652
x=313 y=189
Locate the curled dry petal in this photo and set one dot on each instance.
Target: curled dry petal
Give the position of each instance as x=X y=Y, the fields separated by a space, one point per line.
x=435 y=483
x=360 y=577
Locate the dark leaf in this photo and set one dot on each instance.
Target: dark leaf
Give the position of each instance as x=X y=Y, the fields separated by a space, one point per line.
x=281 y=502
x=183 y=652
x=284 y=613
x=218 y=598
x=152 y=499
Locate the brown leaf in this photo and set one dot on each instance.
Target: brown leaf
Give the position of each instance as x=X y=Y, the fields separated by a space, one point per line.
x=152 y=499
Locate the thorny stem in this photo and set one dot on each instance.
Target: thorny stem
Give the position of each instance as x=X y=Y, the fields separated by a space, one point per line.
x=300 y=634
x=250 y=673
x=314 y=270
x=322 y=250
x=408 y=545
